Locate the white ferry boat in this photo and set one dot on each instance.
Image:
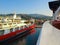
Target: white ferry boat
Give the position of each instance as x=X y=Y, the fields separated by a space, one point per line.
x=13 y=26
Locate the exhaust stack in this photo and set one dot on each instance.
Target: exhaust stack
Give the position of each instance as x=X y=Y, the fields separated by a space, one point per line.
x=54 y=5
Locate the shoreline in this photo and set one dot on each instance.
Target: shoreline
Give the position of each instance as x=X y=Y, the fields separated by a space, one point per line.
x=38 y=26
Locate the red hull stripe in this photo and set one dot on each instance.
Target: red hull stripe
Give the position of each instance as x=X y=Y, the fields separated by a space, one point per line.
x=56 y=24
x=3 y=37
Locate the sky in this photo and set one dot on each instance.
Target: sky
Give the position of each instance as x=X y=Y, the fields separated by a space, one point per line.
x=25 y=7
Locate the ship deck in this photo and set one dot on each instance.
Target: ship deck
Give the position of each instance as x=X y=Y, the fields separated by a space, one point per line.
x=49 y=35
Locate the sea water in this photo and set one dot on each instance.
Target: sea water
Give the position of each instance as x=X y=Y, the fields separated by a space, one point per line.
x=30 y=39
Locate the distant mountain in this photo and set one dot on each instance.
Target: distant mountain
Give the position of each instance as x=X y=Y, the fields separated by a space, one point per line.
x=40 y=16
x=28 y=16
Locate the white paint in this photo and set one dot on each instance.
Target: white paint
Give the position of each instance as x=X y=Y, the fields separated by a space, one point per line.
x=56 y=14
x=14 y=16
x=49 y=35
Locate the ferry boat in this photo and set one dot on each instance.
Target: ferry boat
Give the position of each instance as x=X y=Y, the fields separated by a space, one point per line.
x=50 y=34
x=13 y=26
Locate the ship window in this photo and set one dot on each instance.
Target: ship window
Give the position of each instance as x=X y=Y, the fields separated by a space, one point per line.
x=26 y=26
x=1 y=32
x=10 y=23
x=14 y=23
x=21 y=27
x=11 y=30
x=6 y=31
x=17 y=28
x=57 y=17
x=5 y=24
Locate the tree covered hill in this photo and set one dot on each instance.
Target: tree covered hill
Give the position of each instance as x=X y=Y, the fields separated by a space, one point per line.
x=28 y=16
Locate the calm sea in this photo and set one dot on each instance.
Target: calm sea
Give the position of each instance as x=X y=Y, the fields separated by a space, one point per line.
x=28 y=39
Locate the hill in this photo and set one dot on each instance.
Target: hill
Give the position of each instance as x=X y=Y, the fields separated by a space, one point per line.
x=28 y=16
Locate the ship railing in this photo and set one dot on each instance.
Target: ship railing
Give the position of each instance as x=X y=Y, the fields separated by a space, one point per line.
x=12 y=28
x=6 y=31
x=6 y=25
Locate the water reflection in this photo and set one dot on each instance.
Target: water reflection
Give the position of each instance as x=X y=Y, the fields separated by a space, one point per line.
x=29 y=38
x=20 y=41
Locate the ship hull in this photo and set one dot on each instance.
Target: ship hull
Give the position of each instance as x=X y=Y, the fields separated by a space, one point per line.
x=56 y=24
x=49 y=35
x=16 y=34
